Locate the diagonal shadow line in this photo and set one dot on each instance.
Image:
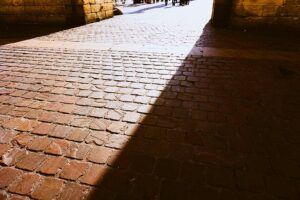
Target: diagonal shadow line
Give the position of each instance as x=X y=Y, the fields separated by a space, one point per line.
x=209 y=124
x=201 y=132
x=148 y=165
x=204 y=127
x=158 y=146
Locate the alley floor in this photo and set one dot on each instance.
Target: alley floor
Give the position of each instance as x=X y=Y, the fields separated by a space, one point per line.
x=151 y=105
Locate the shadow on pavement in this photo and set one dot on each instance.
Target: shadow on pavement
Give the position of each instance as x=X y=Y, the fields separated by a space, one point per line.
x=219 y=129
x=145 y=9
x=16 y=33
x=231 y=37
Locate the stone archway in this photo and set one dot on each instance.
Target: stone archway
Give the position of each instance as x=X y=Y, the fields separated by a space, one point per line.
x=244 y=13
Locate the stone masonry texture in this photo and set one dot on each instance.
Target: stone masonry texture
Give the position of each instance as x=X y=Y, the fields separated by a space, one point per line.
x=278 y=13
x=97 y=118
x=244 y=13
x=54 y=11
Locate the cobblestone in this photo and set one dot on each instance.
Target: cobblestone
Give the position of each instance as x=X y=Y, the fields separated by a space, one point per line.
x=52 y=164
x=94 y=175
x=79 y=122
x=26 y=184
x=8 y=175
x=30 y=161
x=49 y=189
x=73 y=170
x=99 y=155
x=74 y=191
x=58 y=147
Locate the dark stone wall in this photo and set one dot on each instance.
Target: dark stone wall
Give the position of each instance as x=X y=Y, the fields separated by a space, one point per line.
x=266 y=13
x=54 y=11
x=257 y=13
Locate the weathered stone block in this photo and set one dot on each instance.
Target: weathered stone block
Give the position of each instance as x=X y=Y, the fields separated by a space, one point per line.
x=109 y=13
x=92 y=17
x=95 y=8
x=87 y=8
x=100 y=2
x=101 y=15
x=108 y=7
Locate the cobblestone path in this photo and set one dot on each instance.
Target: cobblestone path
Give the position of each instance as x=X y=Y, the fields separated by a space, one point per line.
x=84 y=118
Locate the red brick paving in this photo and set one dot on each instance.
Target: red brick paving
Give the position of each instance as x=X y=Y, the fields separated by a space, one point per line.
x=111 y=124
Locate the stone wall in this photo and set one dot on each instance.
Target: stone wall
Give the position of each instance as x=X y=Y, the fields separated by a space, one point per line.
x=281 y=13
x=96 y=10
x=54 y=11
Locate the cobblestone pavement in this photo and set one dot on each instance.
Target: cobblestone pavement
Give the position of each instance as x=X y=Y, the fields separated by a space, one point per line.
x=86 y=123
x=154 y=24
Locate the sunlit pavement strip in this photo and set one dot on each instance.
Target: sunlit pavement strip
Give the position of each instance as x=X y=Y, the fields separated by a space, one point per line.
x=116 y=110
x=162 y=29
x=151 y=28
